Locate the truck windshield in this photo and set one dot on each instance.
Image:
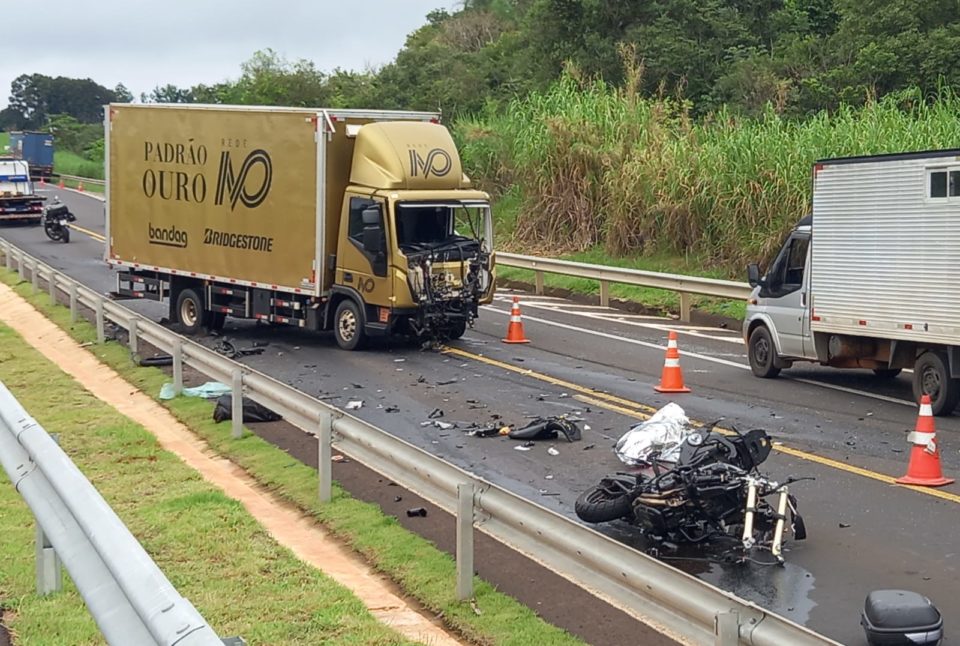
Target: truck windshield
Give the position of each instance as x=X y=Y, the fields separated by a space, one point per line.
x=422 y=227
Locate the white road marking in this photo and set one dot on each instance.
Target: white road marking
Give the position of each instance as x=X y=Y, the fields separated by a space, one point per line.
x=703 y=357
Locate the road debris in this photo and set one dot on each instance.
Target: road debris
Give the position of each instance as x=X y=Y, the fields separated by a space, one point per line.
x=252 y=411
x=435 y=413
x=548 y=429
x=553 y=451
x=228 y=349
x=339 y=458
x=417 y=511
x=391 y=409
x=663 y=434
x=355 y=404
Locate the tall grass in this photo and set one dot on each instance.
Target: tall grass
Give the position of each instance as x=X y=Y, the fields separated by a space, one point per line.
x=70 y=163
x=597 y=165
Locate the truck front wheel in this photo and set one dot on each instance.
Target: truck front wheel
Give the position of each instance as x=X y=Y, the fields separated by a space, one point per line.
x=931 y=376
x=762 y=353
x=190 y=311
x=348 y=326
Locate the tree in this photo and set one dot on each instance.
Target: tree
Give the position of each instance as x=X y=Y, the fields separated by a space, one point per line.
x=35 y=97
x=122 y=94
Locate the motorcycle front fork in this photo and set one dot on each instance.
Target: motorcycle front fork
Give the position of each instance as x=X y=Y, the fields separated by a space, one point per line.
x=776 y=547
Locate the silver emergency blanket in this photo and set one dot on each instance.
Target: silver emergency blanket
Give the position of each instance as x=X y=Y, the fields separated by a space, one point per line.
x=663 y=433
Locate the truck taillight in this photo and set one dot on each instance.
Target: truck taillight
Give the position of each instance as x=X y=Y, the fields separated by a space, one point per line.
x=816 y=169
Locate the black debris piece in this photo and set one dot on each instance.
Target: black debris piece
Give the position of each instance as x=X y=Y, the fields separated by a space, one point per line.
x=397 y=498
x=159 y=360
x=844 y=525
x=416 y=511
x=491 y=431
x=447 y=382
x=548 y=429
x=435 y=413
x=252 y=411
x=392 y=409
x=227 y=349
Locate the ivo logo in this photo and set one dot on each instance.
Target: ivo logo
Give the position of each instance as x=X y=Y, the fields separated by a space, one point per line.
x=437 y=162
x=234 y=187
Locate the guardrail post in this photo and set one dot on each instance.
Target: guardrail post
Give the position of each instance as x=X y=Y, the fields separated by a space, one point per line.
x=7 y=256
x=538 y=282
x=49 y=568
x=34 y=277
x=52 y=286
x=604 y=293
x=20 y=265
x=686 y=303
x=464 y=541
x=101 y=332
x=177 y=367
x=236 y=409
x=727 y=628
x=133 y=335
x=325 y=464
x=74 y=309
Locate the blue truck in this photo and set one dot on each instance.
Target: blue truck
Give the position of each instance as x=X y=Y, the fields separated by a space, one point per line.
x=35 y=148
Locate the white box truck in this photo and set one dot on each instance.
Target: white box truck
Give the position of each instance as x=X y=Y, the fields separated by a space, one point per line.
x=871 y=279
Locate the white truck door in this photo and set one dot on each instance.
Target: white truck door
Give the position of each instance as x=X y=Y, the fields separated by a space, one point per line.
x=787 y=297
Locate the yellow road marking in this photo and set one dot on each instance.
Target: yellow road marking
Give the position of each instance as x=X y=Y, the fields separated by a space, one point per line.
x=642 y=411
x=92 y=234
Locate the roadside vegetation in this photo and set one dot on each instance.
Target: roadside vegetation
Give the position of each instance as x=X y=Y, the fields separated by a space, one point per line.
x=212 y=550
x=421 y=570
x=628 y=132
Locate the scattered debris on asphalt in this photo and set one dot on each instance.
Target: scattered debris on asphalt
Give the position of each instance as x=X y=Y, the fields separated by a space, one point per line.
x=392 y=409
x=156 y=361
x=447 y=382
x=435 y=413
x=339 y=458
x=417 y=511
x=553 y=451
x=356 y=404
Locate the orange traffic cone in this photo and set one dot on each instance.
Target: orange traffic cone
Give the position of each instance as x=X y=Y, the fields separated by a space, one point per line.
x=671 y=379
x=43 y=182
x=924 y=467
x=80 y=186
x=60 y=185
x=515 y=328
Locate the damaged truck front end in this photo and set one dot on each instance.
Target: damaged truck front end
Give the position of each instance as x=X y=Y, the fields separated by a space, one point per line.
x=450 y=264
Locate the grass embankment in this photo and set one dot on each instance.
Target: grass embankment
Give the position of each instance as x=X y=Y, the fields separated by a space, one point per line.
x=210 y=548
x=70 y=163
x=589 y=167
x=421 y=570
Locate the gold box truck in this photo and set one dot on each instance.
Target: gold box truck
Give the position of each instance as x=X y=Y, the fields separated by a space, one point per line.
x=357 y=221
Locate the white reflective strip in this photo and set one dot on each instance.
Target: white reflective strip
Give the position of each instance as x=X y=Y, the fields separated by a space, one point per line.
x=515 y=319
x=926 y=410
x=916 y=437
x=671 y=363
x=672 y=343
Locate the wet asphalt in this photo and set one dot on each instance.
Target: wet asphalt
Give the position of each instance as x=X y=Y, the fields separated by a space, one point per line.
x=863 y=534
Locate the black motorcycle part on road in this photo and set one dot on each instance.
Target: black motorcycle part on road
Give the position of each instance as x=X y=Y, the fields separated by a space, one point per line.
x=611 y=499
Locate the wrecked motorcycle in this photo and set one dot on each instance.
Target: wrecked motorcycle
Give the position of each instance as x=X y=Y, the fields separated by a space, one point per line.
x=56 y=221
x=713 y=494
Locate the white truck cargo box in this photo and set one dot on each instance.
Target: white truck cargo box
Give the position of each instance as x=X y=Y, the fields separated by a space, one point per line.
x=886 y=247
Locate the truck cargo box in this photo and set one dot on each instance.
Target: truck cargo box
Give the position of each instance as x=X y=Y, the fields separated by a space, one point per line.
x=219 y=193
x=886 y=247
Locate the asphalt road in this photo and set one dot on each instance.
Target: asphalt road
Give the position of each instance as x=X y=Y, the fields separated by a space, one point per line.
x=844 y=428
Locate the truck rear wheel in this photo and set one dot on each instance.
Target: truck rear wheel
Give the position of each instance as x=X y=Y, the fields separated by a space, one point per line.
x=348 y=326
x=762 y=353
x=931 y=376
x=190 y=311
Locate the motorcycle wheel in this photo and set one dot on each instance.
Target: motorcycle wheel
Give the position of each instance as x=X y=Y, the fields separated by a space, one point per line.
x=596 y=505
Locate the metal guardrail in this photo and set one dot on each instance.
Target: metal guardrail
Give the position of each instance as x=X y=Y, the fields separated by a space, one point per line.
x=683 y=285
x=670 y=599
x=87 y=180
x=129 y=597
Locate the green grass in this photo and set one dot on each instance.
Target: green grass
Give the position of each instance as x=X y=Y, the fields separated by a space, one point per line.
x=594 y=165
x=209 y=547
x=422 y=571
x=71 y=163
x=4 y=141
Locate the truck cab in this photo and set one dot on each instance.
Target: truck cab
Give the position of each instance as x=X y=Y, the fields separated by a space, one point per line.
x=776 y=328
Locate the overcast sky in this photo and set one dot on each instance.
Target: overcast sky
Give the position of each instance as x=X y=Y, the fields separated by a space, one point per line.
x=145 y=43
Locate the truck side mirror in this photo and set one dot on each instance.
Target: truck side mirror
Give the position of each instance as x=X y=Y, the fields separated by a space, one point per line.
x=373 y=239
x=753 y=274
